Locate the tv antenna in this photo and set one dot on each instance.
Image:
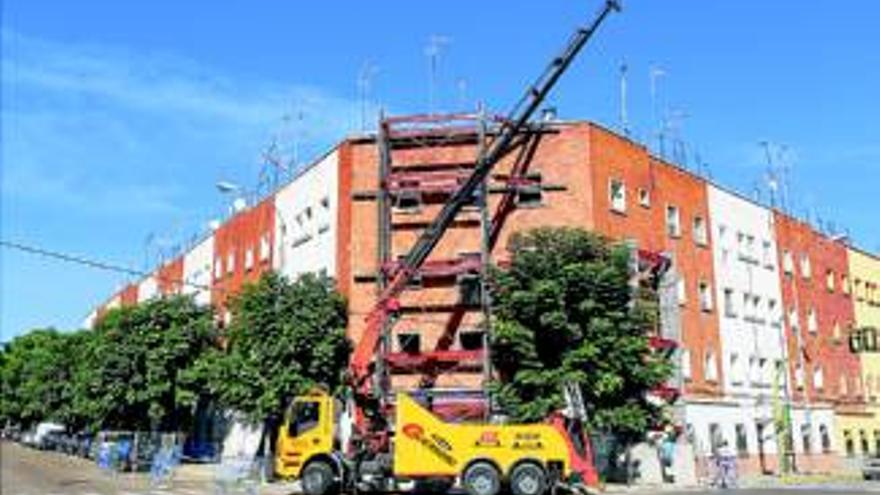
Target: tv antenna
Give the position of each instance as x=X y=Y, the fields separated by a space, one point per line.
x=461 y=86
x=364 y=83
x=436 y=44
x=624 y=117
x=655 y=73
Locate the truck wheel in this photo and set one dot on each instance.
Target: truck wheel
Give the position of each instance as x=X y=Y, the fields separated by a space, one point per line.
x=317 y=478
x=481 y=478
x=528 y=479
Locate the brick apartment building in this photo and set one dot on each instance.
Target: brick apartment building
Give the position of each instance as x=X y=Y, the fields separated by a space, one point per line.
x=360 y=206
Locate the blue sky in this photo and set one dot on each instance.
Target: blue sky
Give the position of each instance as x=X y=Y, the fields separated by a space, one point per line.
x=119 y=117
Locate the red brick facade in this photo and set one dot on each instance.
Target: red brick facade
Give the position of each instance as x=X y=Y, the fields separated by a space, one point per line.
x=651 y=186
x=814 y=284
x=170 y=277
x=242 y=250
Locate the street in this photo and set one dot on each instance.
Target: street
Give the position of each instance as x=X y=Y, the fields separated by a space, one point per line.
x=27 y=471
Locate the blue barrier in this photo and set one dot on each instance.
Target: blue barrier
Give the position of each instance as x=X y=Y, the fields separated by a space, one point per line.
x=164 y=464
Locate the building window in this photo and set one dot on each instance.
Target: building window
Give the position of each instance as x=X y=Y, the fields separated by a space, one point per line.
x=849 y=443
x=768 y=255
x=701 y=236
x=806 y=270
x=407 y=201
x=673 y=221
x=845 y=284
x=812 y=321
x=410 y=343
x=681 y=290
x=844 y=386
x=686 y=364
x=799 y=376
x=863 y=440
x=705 y=296
x=756 y=309
x=835 y=332
x=248 y=259
x=825 y=438
x=818 y=378
x=265 y=247
x=772 y=311
x=787 y=263
x=644 y=197
x=230 y=262
x=877 y=442
x=750 y=249
x=806 y=439
x=735 y=372
x=729 y=305
x=763 y=371
x=715 y=437
x=218 y=267
x=472 y=340
x=530 y=195
x=617 y=195
x=469 y=290
x=711 y=366
x=754 y=371
x=742 y=444
x=793 y=320
x=830 y=280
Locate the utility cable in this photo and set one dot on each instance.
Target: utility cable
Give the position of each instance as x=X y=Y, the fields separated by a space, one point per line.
x=92 y=263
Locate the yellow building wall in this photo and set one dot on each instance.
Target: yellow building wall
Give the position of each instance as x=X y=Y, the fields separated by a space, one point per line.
x=864 y=269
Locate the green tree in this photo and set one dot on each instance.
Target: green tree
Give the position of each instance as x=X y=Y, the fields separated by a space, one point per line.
x=284 y=339
x=35 y=372
x=142 y=363
x=565 y=310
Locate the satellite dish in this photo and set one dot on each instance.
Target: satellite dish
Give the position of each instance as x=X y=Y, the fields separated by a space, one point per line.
x=214 y=225
x=239 y=205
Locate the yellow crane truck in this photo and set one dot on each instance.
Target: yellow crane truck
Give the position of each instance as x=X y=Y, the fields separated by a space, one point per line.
x=386 y=440
x=529 y=459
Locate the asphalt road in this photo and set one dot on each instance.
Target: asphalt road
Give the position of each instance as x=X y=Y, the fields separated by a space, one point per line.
x=25 y=471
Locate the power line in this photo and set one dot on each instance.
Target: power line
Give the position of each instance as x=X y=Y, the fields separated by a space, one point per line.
x=92 y=263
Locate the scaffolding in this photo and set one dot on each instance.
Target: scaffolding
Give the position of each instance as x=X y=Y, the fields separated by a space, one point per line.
x=423 y=160
x=464 y=189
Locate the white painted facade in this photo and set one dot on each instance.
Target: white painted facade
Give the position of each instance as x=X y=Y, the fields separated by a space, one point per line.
x=750 y=311
x=114 y=302
x=813 y=423
x=89 y=321
x=724 y=418
x=147 y=289
x=306 y=212
x=197 y=263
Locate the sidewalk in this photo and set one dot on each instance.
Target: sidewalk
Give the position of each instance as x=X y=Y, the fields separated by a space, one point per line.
x=790 y=482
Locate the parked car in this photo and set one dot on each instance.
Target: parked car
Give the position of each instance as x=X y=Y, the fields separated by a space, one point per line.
x=871 y=467
x=52 y=440
x=38 y=439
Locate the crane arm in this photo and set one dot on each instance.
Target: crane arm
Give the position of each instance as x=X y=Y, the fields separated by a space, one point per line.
x=516 y=120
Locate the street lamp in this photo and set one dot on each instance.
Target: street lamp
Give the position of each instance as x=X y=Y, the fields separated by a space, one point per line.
x=227 y=187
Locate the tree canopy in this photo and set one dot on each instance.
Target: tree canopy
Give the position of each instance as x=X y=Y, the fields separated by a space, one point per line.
x=284 y=339
x=35 y=372
x=565 y=310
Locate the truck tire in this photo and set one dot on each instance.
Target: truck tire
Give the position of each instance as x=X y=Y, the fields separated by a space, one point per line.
x=317 y=478
x=528 y=479
x=481 y=478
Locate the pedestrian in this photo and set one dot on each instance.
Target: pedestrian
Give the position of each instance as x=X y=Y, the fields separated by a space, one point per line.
x=725 y=466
